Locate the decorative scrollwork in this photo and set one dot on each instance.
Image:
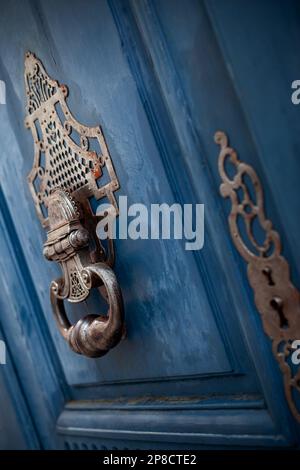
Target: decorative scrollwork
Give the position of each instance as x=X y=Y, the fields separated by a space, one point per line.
x=65 y=175
x=276 y=298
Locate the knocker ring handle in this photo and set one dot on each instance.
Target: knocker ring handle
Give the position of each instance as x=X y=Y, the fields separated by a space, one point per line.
x=93 y=335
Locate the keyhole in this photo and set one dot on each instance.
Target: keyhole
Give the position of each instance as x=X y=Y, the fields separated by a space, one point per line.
x=268 y=273
x=277 y=304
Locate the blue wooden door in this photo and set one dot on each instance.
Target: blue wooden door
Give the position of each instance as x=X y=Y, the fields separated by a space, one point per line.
x=161 y=77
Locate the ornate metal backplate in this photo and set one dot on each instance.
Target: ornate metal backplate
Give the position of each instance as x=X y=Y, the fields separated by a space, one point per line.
x=60 y=161
x=69 y=164
x=276 y=298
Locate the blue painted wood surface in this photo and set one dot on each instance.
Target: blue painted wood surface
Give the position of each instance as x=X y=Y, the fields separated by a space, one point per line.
x=160 y=77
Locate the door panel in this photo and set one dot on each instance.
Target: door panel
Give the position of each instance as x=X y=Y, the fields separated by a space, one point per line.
x=155 y=275
x=145 y=268
x=264 y=88
x=10 y=431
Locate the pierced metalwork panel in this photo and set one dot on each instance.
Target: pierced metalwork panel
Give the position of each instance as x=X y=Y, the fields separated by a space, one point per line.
x=276 y=298
x=64 y=154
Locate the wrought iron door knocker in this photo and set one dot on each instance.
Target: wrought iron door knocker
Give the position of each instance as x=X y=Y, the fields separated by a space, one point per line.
x=66 y=173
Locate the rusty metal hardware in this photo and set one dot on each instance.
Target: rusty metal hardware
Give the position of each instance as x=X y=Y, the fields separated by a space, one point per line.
x=67 y=171
x=276 y=298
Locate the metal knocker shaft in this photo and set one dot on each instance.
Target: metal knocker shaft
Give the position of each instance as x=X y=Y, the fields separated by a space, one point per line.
x=66 y=173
